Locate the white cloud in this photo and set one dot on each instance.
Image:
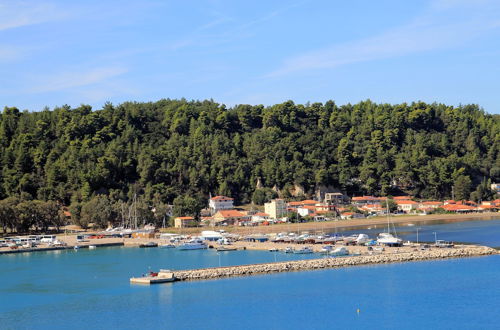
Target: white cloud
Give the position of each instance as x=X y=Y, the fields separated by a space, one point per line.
x=69 y=80
x=429 y=32
x=14 y=14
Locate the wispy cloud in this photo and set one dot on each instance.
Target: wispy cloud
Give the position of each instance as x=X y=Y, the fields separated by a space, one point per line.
x=14 y=14
x=69 y=80
x=428 y=32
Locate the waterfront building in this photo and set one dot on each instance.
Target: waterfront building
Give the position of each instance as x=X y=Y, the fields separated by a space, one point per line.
x=407 y=206
x=220 y=203
x=336 y=199
x=184 y=222
x=230 y=217
x=275 y=209
x=306 y=210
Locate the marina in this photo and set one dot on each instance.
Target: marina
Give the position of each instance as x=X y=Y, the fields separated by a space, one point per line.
x=101 y=289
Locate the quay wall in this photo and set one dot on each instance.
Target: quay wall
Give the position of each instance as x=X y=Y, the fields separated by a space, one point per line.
x=55 y=248
x=324 y=263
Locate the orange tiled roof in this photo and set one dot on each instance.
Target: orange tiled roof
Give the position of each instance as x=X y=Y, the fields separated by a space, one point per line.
x=405 y=202
x=432 y=203
x=218 y=198
x=362 y=198
x=185 y=218
x=231 y=213
x=309 y=201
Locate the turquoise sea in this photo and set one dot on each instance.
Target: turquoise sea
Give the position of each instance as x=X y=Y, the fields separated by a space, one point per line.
x=89 y=289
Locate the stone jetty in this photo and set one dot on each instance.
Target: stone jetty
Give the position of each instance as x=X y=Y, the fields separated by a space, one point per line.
x=325 y=263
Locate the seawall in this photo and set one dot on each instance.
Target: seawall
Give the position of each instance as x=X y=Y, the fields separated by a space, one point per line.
x=324 y=263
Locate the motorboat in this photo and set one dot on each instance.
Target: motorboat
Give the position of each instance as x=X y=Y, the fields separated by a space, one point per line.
x=288 y=250
x=388 y=239
x=193 y=244
x=273 y=250
x=304 y=250
x=443 y=244
x=339 y=252
x=326 y=249
x=148 y=245
x=92 y=247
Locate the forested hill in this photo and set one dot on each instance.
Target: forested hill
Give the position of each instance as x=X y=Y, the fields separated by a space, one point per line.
x=174 y=148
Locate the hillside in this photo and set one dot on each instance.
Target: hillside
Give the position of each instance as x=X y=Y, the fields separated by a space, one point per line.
x=170 y=148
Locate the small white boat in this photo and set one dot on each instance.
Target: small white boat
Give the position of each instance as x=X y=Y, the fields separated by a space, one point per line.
x=362 y=239
x=92 y=247
x=76 y=247
x=326 y=249
x=389 y=240
x=167 y=246
x=194 y=244
x=340 y=251
x=288 y=250
x=304 y=250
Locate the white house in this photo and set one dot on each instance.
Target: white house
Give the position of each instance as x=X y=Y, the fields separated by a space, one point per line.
x=407 y=206
x=220 y=203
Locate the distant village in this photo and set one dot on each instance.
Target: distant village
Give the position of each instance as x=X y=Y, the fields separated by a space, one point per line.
x=221 y=210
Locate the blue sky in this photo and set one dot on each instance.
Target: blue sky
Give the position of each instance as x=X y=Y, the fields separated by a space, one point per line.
x=257 y=52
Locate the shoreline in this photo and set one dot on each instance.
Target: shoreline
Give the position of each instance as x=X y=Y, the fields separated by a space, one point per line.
x=360 y=223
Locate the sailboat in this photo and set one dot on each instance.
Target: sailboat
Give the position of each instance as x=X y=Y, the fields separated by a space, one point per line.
x=388 y=239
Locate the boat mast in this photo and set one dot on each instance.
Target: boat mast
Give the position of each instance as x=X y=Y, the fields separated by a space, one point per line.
x=387 y=211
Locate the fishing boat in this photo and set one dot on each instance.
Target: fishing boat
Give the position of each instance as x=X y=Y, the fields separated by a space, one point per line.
x=193 y=244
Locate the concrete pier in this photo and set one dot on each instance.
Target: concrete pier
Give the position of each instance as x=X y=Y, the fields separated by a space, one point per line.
x=55 y=248
x=324 y=263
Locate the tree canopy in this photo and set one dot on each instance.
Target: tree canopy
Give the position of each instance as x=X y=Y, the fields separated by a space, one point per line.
x=170 y=150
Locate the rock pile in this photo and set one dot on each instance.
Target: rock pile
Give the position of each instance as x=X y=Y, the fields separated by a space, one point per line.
x=312 y=264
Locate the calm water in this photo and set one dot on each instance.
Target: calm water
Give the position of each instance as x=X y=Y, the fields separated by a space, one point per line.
x=89 y=289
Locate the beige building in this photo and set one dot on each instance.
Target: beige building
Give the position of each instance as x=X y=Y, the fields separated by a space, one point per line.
x=275 y=208
x=183 y=222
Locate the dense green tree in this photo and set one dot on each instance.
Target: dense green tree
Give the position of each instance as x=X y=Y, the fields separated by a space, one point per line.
x=174 y=150
x=462 y=187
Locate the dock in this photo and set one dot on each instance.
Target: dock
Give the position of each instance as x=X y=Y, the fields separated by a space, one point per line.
x=163 y=276
x=316 y=264
x=56 y=248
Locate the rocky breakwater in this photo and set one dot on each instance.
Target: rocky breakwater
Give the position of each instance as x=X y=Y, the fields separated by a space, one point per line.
x=313 y=264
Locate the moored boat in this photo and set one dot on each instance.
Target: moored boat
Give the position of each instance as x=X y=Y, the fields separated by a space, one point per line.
x=194 y=244
x=304 y=250
x=148 y=245
x=340 y=251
